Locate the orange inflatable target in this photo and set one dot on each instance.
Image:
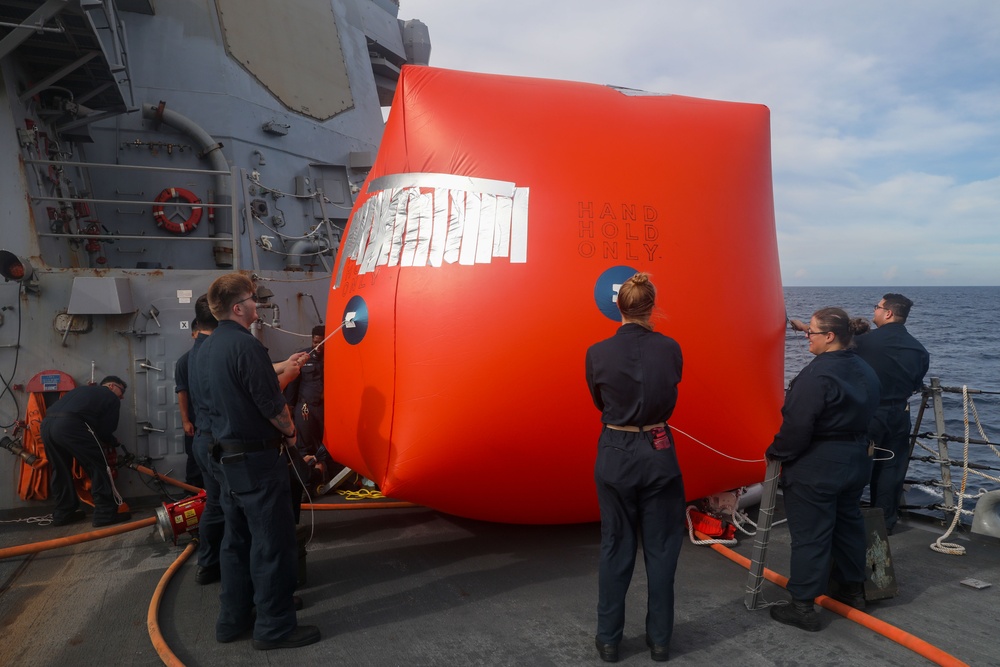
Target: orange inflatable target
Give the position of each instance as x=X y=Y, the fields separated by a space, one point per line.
x=483 y=257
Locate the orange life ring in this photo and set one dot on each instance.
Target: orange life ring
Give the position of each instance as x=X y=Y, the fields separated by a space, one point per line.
x=166 y=223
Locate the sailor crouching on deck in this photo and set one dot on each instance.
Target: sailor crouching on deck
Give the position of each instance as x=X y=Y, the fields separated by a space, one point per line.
x=78 y=426
x=252 y=426
x=823 y=447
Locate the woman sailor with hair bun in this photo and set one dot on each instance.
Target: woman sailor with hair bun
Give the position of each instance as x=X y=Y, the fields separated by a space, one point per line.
x=633 y=379
x=823 y=448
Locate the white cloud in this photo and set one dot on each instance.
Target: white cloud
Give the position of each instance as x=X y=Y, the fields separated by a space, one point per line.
x=885 y=116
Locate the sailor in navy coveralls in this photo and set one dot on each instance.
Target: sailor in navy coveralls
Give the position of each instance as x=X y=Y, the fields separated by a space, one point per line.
x=900 y=362
x=305 y=396
x=823 y=447
x=633 y=379
x=211 y=526
x=77 y=426
x=250 y=422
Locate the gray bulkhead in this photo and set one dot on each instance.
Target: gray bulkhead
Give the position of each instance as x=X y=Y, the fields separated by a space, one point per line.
x=267 y=111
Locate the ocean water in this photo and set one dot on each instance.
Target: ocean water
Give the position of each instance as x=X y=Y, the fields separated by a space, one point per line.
x=957 y=326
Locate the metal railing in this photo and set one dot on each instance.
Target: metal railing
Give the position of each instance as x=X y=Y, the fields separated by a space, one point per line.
x=69 y=201
x=933 y=395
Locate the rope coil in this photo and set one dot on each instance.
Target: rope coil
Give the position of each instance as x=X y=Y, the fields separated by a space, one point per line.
x=947 y=547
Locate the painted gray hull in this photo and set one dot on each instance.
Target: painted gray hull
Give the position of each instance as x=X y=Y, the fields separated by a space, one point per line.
x=268 y=111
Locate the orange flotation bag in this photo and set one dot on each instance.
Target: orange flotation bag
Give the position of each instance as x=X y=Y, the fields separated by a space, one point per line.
x=44 y=388
x=33 y=484
x=482 y=259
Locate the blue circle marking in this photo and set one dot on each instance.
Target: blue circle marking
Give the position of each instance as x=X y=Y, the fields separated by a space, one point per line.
x=606 y=290
x=357 y=311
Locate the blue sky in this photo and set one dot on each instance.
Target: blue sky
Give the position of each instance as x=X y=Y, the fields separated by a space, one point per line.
x=885 y=116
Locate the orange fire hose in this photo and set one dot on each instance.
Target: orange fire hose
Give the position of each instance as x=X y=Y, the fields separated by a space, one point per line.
x=901 y=637
x=163 y=478
x=36 y=547
x=152 y=616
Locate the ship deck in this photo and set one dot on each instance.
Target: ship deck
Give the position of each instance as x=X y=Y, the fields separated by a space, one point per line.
x=413 y=586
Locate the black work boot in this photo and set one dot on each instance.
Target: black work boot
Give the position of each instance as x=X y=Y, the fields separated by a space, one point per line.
x=799 y=613
x=852 y=593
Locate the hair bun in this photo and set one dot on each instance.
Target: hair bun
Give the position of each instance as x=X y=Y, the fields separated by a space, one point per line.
x=640 y=278
x=859 y=325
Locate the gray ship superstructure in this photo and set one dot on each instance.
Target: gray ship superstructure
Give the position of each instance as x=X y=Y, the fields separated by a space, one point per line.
x=150 y=146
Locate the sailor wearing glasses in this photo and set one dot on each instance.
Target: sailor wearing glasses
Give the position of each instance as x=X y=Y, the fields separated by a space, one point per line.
x=823 y=449
x=900 y=362
x=253 y=430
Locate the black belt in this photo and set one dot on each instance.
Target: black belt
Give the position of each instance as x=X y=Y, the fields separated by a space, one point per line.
x=635 y=429
x=248 y=446
x=840 y=437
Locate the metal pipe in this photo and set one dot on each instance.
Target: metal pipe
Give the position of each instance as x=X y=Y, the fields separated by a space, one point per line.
x=949 y=498
x=130 y=167
x=299 y=248
x=212 y=151
x=125 y=237
x=315 y=307
x=125 y=201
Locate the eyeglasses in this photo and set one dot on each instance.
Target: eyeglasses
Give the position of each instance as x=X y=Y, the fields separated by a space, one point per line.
x=252 y=296
x=115 y=385
x=880 y=307
x=810 y=333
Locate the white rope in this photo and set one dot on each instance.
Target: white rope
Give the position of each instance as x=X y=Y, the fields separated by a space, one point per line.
x=315 y=195
x=284 y=236
x=967 y=403
x=940 y=545
x=314 y=233
x=107 y=466
x=291 y=254
x=891 y=454
x=935 y=455
x=674 y=428
x=305 y=487
x=260 y=185
x=739 y=518
x=284 y=331
x=43 y=520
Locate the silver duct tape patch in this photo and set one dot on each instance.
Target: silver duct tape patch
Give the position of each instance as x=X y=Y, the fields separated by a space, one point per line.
x=632 y=92
x=437 y=219
x=446 y=181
